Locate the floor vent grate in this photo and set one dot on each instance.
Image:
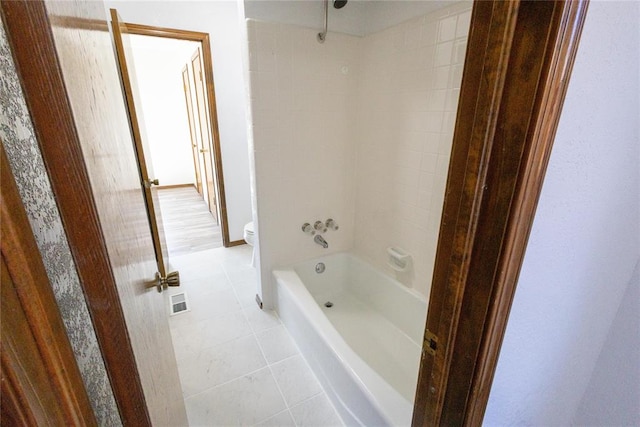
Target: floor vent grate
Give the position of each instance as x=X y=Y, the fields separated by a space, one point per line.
x=179 y=303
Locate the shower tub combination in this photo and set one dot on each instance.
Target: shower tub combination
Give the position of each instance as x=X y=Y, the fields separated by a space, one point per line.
x=361 y=332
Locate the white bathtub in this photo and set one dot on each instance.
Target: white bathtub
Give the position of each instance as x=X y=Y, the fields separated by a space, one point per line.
x=365 y=349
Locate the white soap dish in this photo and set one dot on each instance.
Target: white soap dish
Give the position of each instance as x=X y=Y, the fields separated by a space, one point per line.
x=398 y=259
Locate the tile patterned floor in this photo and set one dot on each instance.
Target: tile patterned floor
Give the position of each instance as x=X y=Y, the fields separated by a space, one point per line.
x=238 y=365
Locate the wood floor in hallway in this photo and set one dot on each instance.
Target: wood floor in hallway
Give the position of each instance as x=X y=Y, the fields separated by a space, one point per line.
x=188 y=225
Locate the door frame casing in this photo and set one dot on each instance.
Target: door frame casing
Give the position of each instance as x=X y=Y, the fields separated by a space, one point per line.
x=473 y=345
x=518 y=63
x=41 y=380
x=186 y=84
x=141 y=145
x=205 y=44
x=27 y=24
x=205 y=130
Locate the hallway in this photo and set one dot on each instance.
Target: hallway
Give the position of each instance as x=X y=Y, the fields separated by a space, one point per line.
x=188 y=225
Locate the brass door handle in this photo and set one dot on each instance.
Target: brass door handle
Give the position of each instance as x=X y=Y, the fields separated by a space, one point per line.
x=160 y=283
x=148 y=183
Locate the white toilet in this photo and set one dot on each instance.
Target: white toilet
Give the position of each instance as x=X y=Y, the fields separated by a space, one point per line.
x=249 y=237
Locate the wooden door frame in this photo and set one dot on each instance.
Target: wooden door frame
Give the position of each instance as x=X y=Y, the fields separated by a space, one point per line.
x=41 y=381
x=154 y=214
x=519 y=59
x=208 y=165
x=27 y=24
x=489 y=205
x=186 y=84
x=203 y=39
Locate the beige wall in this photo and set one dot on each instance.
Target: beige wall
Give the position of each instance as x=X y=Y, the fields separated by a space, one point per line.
x=407 y=100
x=357 y=129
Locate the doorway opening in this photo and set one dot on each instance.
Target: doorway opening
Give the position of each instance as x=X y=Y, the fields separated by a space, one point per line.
x=172 y=103
x=174 y=73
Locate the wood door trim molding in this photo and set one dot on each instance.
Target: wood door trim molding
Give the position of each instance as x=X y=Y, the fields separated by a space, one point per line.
x=27 y=24
x=203 y=38
x=169 y=33
x=501 y=147
x=155 y=224
x=215 y=138
x=237 y=243
x=36 y=304
x=168 y=187
x=560 y=57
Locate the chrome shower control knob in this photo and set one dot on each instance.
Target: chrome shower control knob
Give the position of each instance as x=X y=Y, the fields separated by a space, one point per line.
x=331 y=224
x=319 y=225
x=306 y=227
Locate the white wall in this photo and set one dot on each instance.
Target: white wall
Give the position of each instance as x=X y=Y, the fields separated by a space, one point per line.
x=613 y=395
x=407 y=100
x=337 y=130
x=585 y=240
x=219 y=19
x=158 y=66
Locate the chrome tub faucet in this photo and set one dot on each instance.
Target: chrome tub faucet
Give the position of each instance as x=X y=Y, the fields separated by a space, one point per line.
x=320 y=240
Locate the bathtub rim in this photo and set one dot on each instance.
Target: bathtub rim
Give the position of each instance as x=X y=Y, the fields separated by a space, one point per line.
x=401 y=286
x=399 y=410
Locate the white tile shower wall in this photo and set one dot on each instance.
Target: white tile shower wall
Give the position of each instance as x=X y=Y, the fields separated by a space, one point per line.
x=302 y=102
x=409 y=83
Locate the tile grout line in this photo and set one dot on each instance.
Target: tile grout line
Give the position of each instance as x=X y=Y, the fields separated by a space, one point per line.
x=254 y=332
x=275 y=415
x=264 y=356
x=286 y=404
x=316 y=378
x=226 y=382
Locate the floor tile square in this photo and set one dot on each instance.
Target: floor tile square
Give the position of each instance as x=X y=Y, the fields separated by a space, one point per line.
x=244 y=401
x=283 y=419
x=242 y=275
x=246 y=293
x=219 y=364
x=316 y=412
x=193 y=337
x=206 y=306
x=277 y=344
x=261 y=319
x=295 y=379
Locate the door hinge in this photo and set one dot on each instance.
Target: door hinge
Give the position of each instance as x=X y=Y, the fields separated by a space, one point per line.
x=430 y=343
